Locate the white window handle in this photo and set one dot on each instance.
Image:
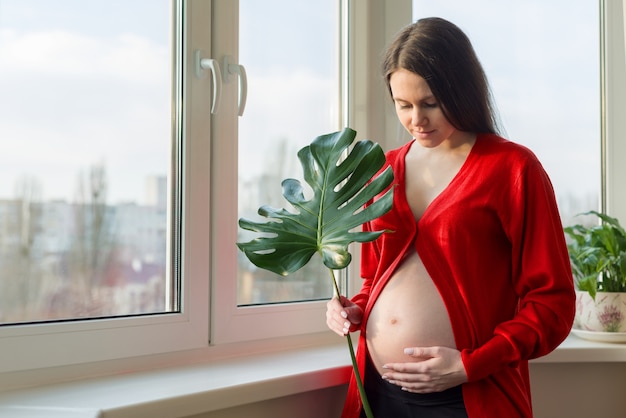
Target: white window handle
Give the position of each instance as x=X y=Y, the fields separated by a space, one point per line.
x=210 y=64
x=239 y=70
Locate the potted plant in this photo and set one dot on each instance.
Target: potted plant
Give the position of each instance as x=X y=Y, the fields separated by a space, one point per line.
x=598 y=258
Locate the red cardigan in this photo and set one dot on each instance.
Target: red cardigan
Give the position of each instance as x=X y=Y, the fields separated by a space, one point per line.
x=494 y=246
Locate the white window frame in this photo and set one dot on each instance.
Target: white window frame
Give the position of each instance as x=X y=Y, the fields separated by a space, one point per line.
x=231 y=323
x=613 y=76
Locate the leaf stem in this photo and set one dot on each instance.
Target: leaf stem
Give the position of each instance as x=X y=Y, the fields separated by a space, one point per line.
x=359 y=382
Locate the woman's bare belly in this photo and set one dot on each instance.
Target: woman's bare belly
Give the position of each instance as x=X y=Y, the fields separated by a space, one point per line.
x=408 y=313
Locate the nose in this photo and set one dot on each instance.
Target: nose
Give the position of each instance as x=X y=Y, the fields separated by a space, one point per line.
x=418 y=118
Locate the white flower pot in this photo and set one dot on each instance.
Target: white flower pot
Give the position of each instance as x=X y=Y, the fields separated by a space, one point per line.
x=607 y=314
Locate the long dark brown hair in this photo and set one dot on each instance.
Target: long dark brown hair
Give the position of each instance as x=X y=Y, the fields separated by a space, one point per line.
x=438 y=51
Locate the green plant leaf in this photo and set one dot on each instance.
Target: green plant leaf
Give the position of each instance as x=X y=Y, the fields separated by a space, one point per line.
x=323 y=224
x=598 y=255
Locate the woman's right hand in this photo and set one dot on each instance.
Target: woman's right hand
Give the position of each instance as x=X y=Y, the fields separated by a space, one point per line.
x=343 y=315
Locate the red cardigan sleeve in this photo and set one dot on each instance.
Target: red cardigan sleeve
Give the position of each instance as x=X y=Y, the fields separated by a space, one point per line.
x=541 y=276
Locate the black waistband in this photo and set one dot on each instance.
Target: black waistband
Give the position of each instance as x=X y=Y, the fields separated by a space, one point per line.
x=374 y=383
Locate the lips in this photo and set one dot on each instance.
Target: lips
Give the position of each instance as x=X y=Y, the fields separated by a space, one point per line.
x=423 y=134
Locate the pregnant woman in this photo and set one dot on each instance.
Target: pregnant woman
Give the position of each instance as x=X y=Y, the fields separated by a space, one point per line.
x=475 y=278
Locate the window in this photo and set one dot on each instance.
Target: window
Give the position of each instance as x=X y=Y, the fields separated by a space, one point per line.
x=542 y=61
x=92 y=206
x=290 y=54
x=172 y=145
x=85 y=160
x=294 y=97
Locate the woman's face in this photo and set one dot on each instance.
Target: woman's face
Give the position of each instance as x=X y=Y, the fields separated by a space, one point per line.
x=418 y=110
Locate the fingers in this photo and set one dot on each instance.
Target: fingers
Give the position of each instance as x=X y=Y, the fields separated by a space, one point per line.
x=437 y=369
x=342 y=316
x=351 y=311
x=422 y=353
x=335 y=317
x=421 y=381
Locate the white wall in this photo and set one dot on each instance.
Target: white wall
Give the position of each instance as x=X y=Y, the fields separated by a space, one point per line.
x=579 y=390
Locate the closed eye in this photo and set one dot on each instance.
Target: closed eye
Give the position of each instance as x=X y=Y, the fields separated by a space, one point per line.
x=403 y=105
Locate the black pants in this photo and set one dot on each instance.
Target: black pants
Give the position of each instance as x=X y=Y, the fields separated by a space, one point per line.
x=390 y=401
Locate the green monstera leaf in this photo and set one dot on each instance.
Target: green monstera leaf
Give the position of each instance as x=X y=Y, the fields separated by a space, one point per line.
x=323 y=224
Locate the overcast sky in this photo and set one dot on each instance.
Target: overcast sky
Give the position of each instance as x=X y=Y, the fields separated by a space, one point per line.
x=83 y=82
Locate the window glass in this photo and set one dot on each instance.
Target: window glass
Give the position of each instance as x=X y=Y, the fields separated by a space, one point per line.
x=85 y=139
x=542 y=61
x=290 y=53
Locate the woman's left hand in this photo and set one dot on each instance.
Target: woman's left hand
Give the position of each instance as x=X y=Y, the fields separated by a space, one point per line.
x=435 y=369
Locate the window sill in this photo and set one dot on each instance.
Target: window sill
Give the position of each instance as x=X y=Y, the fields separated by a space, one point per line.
x=186 y=390
x=578 y=350
x=205 y=387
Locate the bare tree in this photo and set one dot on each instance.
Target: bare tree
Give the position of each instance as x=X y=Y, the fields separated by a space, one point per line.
x=20 y=269
x=93 y=240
